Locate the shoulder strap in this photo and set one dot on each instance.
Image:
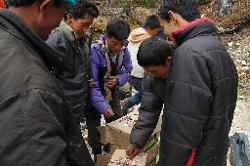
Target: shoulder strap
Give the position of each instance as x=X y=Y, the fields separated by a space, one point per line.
x=104 y=50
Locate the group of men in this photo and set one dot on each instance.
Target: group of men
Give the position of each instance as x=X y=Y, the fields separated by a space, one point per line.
x=51 y=76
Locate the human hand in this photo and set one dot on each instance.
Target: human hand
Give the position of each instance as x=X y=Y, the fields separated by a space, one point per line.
x=91 y=82
x=132 y=151
x=111 y=82
x=109 y=113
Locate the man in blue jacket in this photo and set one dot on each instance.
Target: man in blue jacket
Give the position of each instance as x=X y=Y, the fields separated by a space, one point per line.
x=111 y=68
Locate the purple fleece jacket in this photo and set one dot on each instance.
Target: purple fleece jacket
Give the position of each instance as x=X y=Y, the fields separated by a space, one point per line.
x=98 y=60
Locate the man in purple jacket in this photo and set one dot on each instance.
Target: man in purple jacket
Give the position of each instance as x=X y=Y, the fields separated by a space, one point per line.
x=111 y=68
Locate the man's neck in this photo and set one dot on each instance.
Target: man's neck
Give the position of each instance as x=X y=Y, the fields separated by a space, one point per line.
x=24 y=13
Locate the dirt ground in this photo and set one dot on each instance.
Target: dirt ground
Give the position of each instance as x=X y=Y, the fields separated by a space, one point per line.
x=238 y=46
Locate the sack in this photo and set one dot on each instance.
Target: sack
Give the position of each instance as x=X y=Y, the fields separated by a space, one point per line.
x=240 y=150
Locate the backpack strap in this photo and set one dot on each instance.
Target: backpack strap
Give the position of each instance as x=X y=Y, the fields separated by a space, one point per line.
x=107 y=75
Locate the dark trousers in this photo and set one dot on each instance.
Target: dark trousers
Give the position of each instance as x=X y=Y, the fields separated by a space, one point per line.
x=77 y=151
x=93 y=118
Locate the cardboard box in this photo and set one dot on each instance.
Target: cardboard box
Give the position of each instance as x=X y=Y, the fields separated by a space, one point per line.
x=120 y=158
x=103 y=159
x=118 y=132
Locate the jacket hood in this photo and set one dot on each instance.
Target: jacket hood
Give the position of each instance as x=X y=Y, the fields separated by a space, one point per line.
x=202 y=26
x=18 y=28
x=137 y=35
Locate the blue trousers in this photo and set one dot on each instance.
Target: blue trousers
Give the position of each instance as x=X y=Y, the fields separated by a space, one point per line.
x=136 y=98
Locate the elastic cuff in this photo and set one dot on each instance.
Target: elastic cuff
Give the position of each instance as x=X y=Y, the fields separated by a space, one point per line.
x=137 y=145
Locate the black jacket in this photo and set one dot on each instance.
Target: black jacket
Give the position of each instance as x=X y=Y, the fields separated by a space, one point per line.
x=36 y=125
x=74 y=74
x=201 y=98
x=201 y=93
x=153 y=97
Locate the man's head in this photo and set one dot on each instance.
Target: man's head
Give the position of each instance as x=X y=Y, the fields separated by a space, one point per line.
x=40 y=15
x=117 y=32
x=154 y=56
x=81 y=16
x=152 y=25
x=174 y=14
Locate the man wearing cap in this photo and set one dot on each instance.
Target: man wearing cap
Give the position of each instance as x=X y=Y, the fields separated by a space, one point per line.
x=35 y=121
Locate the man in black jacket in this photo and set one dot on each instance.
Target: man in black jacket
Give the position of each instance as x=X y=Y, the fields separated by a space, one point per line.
x=35 y=122
x=71 y=39
x=201 y=90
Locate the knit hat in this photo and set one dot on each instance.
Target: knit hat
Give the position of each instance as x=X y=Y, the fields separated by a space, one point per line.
x=70 y=2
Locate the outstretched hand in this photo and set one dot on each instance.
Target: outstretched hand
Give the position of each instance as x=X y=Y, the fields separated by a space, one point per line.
x=132 y=151
x=91 y=82
x=109 y=113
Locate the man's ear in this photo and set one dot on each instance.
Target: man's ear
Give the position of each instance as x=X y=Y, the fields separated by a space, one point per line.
x=69 y=18
x=106 y=35
x=44 y=5
x=169 y=60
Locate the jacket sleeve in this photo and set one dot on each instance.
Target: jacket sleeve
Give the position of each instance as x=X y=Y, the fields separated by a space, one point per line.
x=31 y=123
x=98 y=99
x=187 y=106
x=127 y=68
x=149 y=113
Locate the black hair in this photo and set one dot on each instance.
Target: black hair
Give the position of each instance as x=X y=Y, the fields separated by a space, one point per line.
x=153 y=52
x=18 y=3
x=81 y=8
x=152 y=21
x=188 y=9
x=118 y=28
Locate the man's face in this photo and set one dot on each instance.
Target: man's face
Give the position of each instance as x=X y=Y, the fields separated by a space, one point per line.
x=168 y=27
x=49 y=18
x=81 y=25
x=161 y=72
x=115 y=45
x=153 y=31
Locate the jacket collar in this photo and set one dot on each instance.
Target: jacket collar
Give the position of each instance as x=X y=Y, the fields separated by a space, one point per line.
x=68 y=31
x=72 y=36
x=103 y=38
x=18 y=28
x=202 y=26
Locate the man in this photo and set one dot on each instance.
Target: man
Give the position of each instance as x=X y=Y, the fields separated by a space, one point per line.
x=111 y=67
x=201 y=93
x=35 y=121
x=135 y=39
x=154 y=55
x=70 y=38
x=151 y=27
